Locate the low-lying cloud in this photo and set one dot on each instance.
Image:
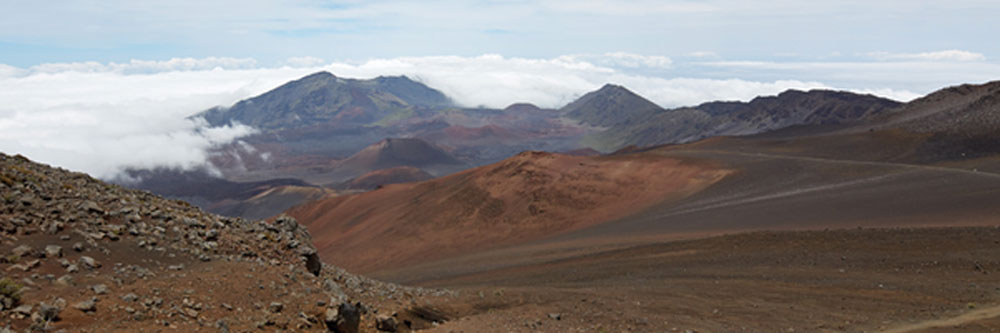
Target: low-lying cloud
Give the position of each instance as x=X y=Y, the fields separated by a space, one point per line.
x=102 y=117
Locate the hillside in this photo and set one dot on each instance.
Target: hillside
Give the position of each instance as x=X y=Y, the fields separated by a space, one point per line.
x=528 y=196
x=762 y=114
x=391 y=153
x=254 y=200
x=84 y=255
x=379 y=178
x=612 y=105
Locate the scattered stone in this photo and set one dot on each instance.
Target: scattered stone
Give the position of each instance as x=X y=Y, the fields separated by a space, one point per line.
x=99 y=289
x=53 y=251
x=23 y=310
x=21 y=251
x=344 y=319
x=386 y=324
x=49 y=312
x=337 y=294
x=311 y=258
x=65 y=280
x=212 y=235
x=130 y=297
x=275 y=307
x=89 y=305
x=89 y=262
x=555 y=316
x=78 y=247
x=72 y=268
x=92 y=207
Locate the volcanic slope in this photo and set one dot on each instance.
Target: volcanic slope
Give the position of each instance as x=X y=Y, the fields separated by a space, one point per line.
x=252 y=200
x=529 y=196
x=84 y=255
x=325 y=98
x=391 y=153
x=629 y=119
x=954 y=127
x=861 y=227
x=379 y=178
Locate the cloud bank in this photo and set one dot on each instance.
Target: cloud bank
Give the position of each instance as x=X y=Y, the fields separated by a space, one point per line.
x=102 y=117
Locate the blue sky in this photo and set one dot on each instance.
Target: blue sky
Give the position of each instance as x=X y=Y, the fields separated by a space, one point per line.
x=718 y=39
x=79 y=78
x=33 y=32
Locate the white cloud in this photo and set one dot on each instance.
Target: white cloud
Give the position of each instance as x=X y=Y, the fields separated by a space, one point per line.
x=306 y=61
x=145 y=66
x=904 y=77
x=623 y=60
x=946 y=55
x=630 y=8
x=99 y=118
x=703 y=54
x=99 y=122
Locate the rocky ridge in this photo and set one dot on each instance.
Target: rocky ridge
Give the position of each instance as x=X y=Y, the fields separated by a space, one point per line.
x=85 y=255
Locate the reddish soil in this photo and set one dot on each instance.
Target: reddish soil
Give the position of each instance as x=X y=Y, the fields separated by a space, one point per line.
x=898 y=280
x=378 y=178
x=462 y=136
x=529 y=196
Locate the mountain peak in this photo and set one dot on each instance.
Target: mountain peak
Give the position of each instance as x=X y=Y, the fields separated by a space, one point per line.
x=323 y=98
x=318 y=75
x=610 y=106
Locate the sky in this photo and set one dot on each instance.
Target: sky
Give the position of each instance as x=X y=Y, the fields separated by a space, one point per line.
x=98 y=86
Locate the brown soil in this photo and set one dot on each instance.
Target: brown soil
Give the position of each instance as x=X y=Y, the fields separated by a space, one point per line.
x=529 y=196
x=902 y=280
x=378 y=178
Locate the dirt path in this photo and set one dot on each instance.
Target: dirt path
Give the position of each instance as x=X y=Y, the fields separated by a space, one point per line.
x=966 y=318
x=745 y=198
x=854 y=162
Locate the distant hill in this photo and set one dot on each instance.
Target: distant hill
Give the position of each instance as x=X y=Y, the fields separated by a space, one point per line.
x=968 y=109
x=647 y=127
x=324 y=98
x=377 y=178
x=612 y=105
x=956 y=127
x=225 y=197
x=391 y=153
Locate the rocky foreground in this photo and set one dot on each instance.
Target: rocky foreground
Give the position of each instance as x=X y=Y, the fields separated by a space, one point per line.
x=77 y=254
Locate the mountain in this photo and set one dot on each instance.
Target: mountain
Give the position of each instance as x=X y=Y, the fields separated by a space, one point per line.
x=762 y=114
x=258 y=199
x=971 y=110
x=610 y=106
x=324 y=98
x=83 y=255
x=378 y=178
x=528 y=196
x=391 y=153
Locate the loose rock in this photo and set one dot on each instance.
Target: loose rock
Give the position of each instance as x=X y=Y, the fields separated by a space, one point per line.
x=53 y=251
x=89 y=305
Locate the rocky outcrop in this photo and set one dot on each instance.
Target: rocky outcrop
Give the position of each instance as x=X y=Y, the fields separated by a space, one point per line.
x=139 y=261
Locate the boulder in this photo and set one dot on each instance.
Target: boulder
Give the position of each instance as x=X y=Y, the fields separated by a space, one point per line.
x=89 y=305
x=343 y=319
x=53 y=251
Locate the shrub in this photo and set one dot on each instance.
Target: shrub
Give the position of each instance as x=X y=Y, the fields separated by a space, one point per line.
x=10 y=289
